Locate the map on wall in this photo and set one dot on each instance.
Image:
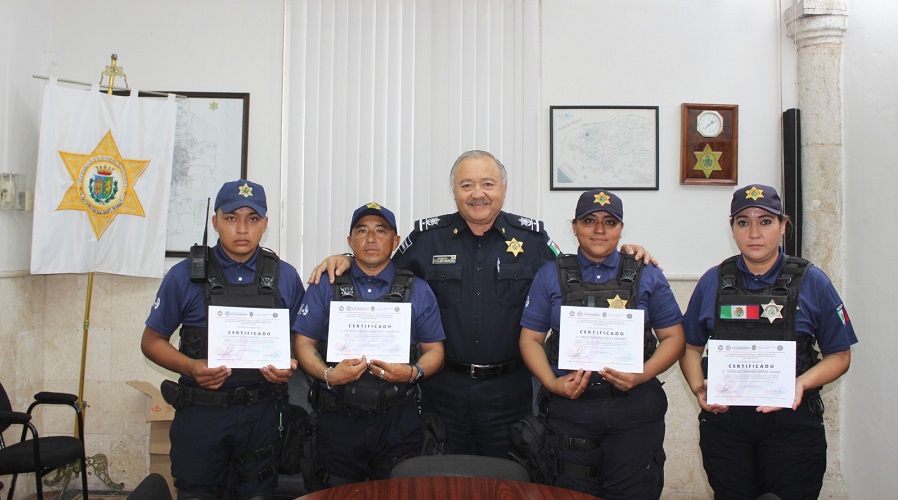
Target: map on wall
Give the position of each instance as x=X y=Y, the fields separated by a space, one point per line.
x=604 y=146
x=210 y=149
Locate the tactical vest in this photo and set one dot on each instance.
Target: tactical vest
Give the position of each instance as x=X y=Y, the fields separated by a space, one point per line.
x=262 y=292
x=576 y=292
x=370 y=393
x=764 y=314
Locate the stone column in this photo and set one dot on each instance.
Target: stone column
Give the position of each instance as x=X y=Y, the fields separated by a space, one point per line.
x=818 y=26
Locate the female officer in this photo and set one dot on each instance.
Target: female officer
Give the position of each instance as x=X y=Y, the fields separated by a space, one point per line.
x=608 y=424
x=750 y=451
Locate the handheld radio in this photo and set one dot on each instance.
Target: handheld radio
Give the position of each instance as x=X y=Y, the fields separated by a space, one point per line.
x=199 y=254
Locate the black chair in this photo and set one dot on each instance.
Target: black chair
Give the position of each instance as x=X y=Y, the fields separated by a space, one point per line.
x=153 y=487
x=39 y=455
x=460 y=466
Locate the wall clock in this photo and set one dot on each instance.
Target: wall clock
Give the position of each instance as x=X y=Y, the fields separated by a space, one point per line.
x=709 y=150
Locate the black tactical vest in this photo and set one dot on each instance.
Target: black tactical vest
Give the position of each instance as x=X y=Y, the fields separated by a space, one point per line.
x=371 y=393
x=764 y=314
x=262 y=292
x=576 y=292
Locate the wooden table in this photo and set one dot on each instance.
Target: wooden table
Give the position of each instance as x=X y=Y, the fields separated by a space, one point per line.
x=446 y=488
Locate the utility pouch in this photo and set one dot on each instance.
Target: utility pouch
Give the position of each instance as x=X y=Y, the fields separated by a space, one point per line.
x=366 y=393
x=174 y=394
x=434 y=442
x=531 y=447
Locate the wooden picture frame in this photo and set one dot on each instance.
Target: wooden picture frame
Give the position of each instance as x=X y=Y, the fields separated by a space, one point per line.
x=613 y=147
x=709 y=151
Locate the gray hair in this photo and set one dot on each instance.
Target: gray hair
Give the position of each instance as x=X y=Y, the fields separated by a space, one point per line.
x=477 y=153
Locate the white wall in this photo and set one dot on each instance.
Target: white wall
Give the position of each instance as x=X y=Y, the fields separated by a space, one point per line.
x=24 y=33
x=870 y=69
x=661 y=53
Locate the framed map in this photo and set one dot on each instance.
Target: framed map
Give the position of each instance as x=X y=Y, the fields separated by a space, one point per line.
x=210 y=149
x=614 y=147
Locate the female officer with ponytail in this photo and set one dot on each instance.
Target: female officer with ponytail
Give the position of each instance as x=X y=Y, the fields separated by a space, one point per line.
x=751 y=451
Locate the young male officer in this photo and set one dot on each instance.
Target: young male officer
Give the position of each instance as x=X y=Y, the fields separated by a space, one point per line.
x=225 y=419
x=369 y=417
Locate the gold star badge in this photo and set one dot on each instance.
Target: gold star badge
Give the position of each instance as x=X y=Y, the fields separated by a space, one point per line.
x=772 y=311
x=515 y=247
x=754 y=193
x=103 y=184
x=602 y=199
x=373 y=205
x=245 y=190
x=707 y=161
x=617 y=303
x=213 y=106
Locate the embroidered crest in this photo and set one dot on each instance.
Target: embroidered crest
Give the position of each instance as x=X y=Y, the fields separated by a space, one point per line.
x=245 y=190
x=602 y=199
x=527 y=222
x=425 y=224
x=754 y=193
x=515 y=247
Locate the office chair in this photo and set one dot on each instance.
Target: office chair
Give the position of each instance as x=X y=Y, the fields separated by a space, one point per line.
x=153 y=487
x=460 y=466
x=39 y=455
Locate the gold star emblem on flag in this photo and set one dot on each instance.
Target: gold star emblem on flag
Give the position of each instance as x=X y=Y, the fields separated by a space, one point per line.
x=772 y=311
x=754 y=193
x=617 y=303
x=515 y=247
x=707 y=160
x=103 y=184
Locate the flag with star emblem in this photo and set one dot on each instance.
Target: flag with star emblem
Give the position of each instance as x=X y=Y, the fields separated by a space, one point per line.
x=103 y=181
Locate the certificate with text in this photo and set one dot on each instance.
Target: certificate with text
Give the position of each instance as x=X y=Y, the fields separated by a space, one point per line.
x=594 y=338
x=751 y=373
x=246 y=337
x=378 y=330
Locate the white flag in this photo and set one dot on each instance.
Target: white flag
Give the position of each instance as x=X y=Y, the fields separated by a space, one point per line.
x=103 y=182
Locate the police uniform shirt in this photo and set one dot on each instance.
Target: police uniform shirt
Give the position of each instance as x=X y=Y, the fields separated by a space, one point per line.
x=314 y=314
x=820 y=310
x=180 y=301
x=543 y=310
x=480 y=282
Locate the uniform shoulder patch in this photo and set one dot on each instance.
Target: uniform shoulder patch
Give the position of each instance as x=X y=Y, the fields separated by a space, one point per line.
x=433 y=222
x=526 y=223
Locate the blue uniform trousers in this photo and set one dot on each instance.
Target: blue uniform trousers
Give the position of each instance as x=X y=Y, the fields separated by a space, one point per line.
x=747 y=454
x=362 y=446
x=478 y=413
x=206 y=440
x=629 y=430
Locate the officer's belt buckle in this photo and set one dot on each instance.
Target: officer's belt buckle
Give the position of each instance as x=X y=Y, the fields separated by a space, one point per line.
x=238 y=396
x=472 y=372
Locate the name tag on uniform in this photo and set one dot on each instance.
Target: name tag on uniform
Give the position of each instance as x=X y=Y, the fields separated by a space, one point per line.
x=444 y=259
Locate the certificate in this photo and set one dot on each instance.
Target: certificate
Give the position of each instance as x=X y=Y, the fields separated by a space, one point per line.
x=246 y=337
x=751 y=373
x=378 y=330
x=594 y=338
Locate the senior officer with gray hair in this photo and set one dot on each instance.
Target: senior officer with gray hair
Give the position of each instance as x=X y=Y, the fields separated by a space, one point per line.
x=480 y=262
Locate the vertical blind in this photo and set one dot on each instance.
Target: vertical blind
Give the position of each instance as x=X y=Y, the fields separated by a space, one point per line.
x=381 y=96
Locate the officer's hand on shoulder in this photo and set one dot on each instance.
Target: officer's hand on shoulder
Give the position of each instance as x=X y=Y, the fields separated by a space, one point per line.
x=334 y=266
x=208 y=378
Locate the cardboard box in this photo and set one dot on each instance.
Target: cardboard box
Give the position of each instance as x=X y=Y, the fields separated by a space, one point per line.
x=159 y=416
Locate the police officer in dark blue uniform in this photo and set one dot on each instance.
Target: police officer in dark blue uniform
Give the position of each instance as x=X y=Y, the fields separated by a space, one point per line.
x=479 y=262
x=609 y=424
x=225 y=419
x=751 y=451
x=369 y=417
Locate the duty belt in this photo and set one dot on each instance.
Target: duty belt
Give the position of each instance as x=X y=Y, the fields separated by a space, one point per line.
x=328 y=401
x=483 y=372
x=181 y=395
x=602 y=391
